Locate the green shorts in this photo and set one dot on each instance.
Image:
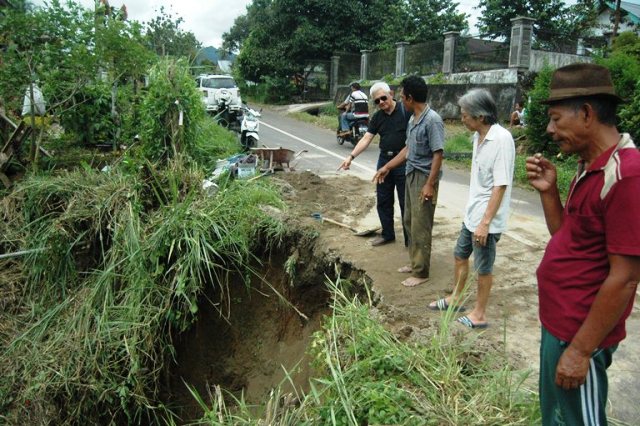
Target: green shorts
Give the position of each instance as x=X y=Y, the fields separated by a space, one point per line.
x=583 y=406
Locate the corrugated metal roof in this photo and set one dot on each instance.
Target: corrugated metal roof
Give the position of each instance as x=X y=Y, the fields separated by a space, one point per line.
x=632 y=9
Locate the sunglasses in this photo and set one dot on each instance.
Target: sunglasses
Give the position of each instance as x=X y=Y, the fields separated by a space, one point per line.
x=380 y=99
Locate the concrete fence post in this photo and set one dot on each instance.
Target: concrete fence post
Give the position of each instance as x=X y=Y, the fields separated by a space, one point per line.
x=333 y=84
x=520 y=48
x=580 y=50
x=449 y=54
x=401 y=51
x=364 y=64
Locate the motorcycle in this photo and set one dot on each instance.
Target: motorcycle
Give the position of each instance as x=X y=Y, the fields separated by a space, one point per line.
x=249 y=127
x=357 y=129
x=226 y=117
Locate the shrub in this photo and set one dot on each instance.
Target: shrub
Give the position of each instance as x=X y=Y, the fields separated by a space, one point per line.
x=274 y=90
x=625 y=70
x=630 y=114
x=90 y=118
x=537 y=119
x=171 y=91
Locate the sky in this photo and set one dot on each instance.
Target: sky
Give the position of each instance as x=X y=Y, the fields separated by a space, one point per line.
x=208 y=19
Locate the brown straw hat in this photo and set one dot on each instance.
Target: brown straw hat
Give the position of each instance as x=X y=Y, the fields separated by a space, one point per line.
x=578 y=80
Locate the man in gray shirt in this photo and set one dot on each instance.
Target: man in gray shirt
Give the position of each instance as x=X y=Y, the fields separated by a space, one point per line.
x=423 y=155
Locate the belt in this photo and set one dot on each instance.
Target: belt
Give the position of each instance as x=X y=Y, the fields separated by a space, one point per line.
x=389 y=153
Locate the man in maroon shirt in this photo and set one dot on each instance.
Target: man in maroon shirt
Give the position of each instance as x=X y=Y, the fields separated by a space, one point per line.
x=590 y=270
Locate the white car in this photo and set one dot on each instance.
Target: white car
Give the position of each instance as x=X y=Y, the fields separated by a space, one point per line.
x=218 y=89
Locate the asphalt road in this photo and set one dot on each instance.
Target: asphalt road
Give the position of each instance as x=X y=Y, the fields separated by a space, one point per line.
x=323 y=156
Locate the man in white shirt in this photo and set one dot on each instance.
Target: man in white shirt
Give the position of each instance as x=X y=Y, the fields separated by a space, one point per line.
x=487 y=209
x=356 y=103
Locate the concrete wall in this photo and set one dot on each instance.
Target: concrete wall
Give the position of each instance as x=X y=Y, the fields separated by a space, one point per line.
x=443 y=98
x=509 y=75
x=539 y=58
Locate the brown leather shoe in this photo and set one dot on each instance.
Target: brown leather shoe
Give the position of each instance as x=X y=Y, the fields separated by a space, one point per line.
x=344 y=134
x=379 y=241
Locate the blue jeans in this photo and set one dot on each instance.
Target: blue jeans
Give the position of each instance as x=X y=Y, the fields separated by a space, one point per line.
x=385 y=200
x=345 y=118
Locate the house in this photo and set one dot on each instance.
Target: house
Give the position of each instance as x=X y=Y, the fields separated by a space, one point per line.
x=208 y=56
x=629 y=17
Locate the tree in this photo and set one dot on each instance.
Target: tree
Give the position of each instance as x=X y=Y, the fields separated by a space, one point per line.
x=78 y=55
x=165 y=37
x=284 y=34
x=427 y=20
x=555 y=23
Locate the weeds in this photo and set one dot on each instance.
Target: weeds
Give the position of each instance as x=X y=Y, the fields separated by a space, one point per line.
x=124 y=260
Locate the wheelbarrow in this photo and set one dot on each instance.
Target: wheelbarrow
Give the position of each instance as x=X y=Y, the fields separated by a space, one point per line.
x=362 y=233
x=272 y=159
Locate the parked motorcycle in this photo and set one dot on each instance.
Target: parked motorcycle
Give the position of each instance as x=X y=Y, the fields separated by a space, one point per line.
x=226 y=116
x=249 y=127
x=357 y=129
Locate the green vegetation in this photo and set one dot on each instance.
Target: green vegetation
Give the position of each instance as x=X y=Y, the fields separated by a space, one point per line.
x=367 y=376
x=117 y=264
x=111 y=265
x=321 y=120
x=460 y=142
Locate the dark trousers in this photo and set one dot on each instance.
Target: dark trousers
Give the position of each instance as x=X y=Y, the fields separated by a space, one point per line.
x=385 y=200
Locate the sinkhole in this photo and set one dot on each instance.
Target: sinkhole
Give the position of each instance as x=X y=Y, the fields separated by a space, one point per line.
x=260 y=341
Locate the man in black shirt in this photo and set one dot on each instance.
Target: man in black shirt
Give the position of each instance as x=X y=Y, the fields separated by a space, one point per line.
x=390 y=122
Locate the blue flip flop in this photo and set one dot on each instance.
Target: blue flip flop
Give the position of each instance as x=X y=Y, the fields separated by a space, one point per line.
x=467 y=322
x=442 y=305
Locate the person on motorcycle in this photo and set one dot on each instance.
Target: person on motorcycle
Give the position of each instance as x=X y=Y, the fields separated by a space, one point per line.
x=356 y=103
x=390 y=122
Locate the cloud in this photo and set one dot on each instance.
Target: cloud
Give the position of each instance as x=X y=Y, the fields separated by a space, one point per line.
x=207 y=20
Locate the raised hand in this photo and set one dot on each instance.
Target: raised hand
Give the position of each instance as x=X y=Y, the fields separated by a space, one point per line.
x=541 y=173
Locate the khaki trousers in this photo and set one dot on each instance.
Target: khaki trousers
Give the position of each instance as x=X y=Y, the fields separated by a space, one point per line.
x=418 y=221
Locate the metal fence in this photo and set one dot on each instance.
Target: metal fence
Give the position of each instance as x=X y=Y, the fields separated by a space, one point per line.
x=382 y=63
x=474 y=54
x=349 y=69
x=317 y=80
x=553 y=42
x=424 y=58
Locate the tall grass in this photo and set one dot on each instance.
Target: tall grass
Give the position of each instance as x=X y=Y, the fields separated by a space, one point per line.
x=124 y=259
x=367 y=376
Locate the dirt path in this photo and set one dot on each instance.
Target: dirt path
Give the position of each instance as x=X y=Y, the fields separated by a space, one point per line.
x=513 y=310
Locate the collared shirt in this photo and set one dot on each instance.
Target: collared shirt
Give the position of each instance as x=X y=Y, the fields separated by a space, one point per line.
x=424 y=137
x=392 y=128
x=491 y=165
x=358 y=100
x=601 y=217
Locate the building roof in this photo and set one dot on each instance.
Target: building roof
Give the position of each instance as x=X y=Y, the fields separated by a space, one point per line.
x=632 y=9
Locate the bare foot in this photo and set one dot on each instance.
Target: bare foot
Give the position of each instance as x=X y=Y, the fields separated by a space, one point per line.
x=407 y=269
x=414 y=281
